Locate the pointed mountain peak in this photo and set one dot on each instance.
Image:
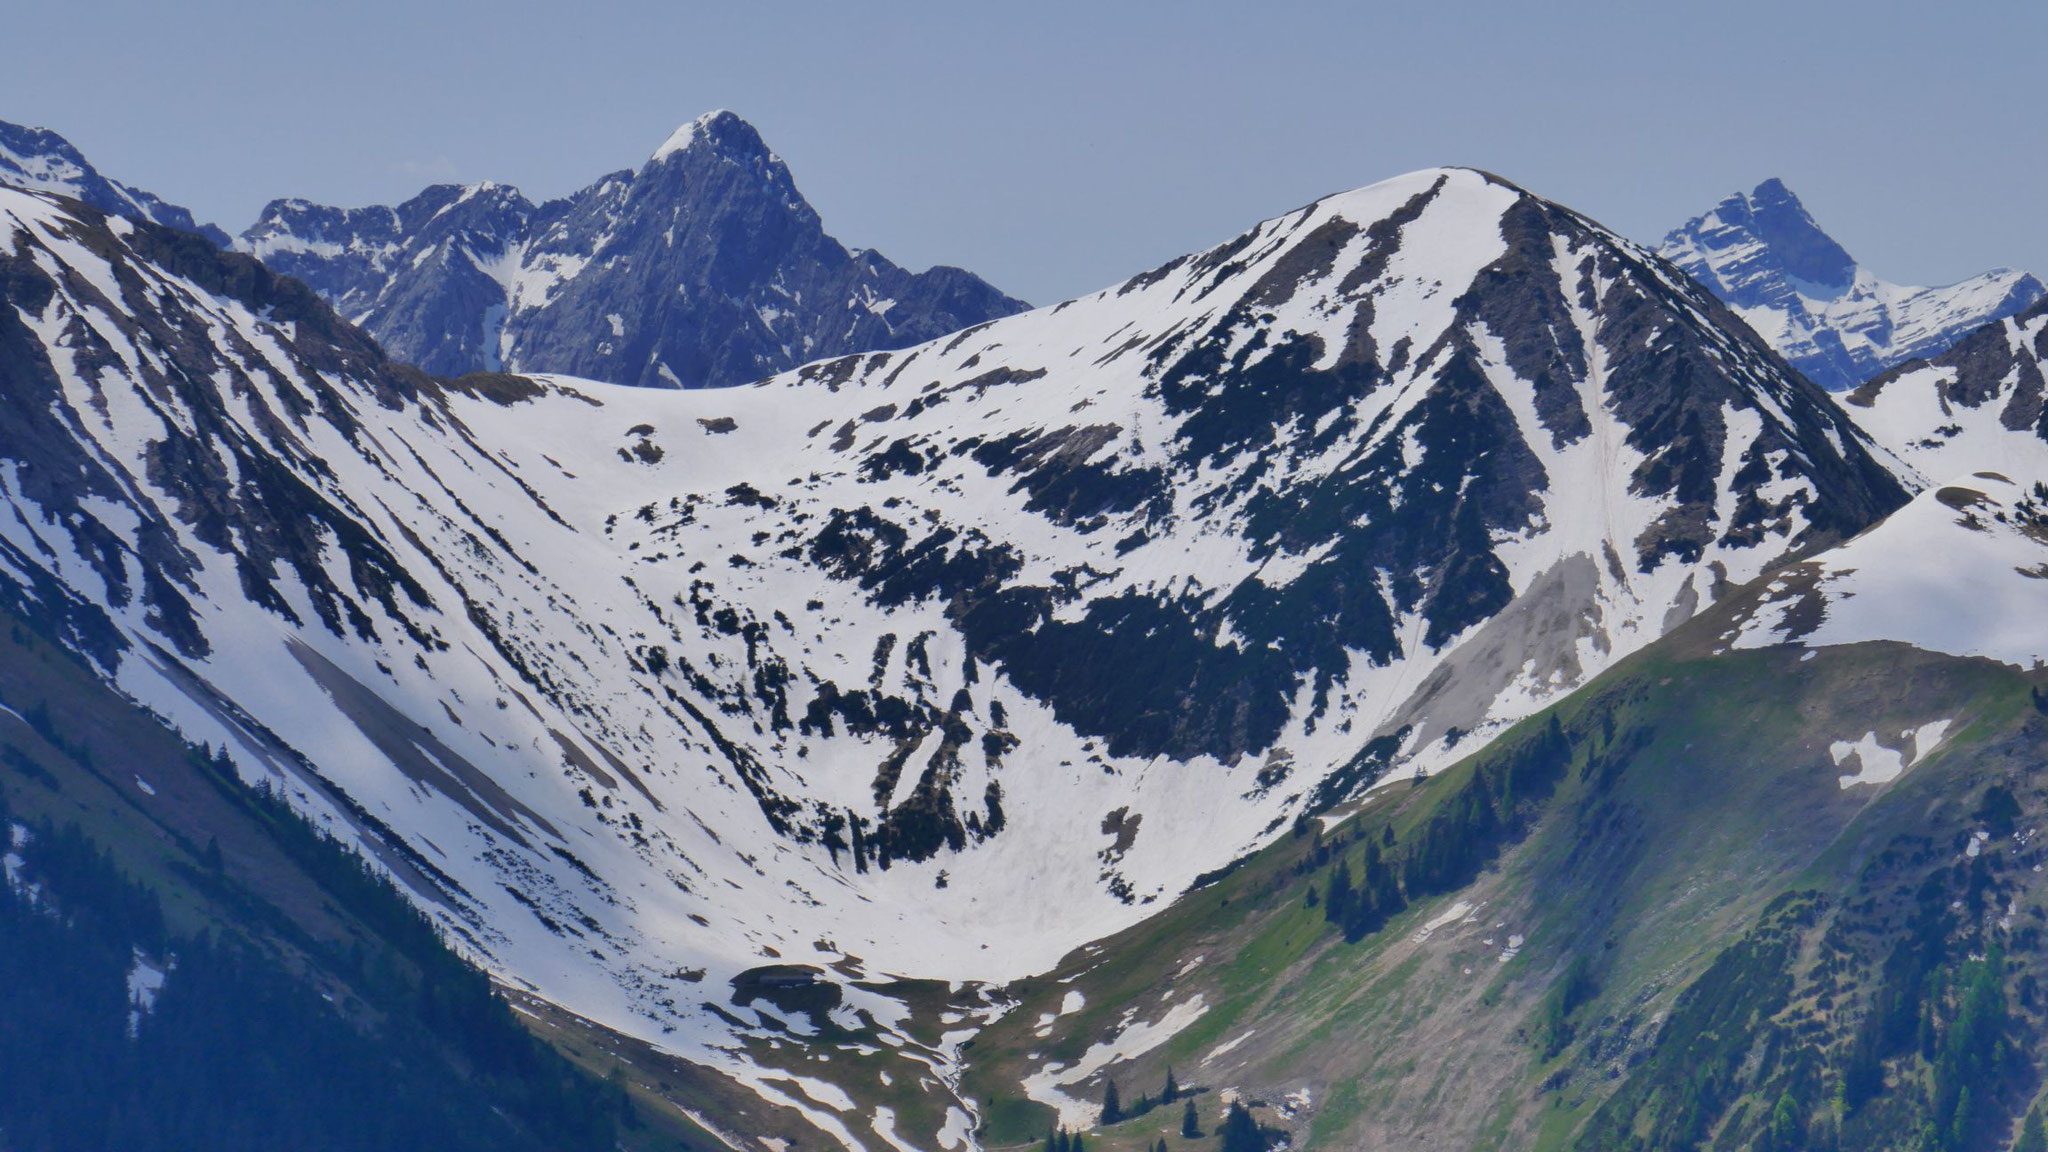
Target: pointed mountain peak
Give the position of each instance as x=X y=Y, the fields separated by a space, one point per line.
x=1762 y=253
x=1774 y=216
x=1774 y=189
x=721 y=131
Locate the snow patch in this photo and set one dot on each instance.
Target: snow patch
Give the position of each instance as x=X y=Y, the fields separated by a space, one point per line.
x=1451 y=915
x=145 y=981
x=1876 y=764
x=1047 y=1084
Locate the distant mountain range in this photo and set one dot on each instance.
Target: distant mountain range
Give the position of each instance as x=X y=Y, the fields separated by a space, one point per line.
x=704 y=267
x=1835 y=320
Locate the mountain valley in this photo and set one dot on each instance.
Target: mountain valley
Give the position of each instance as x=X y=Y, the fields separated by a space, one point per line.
x=1424 y=669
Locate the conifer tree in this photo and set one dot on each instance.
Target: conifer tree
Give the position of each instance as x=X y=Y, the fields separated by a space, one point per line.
x=1240 y=1132
x=2033 y=1136
x=1112 y=1108
x=1171 y=1092
x=1190 y=1122
x=1337 y=901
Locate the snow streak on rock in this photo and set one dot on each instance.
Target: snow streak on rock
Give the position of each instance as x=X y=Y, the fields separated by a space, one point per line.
x=39 y=159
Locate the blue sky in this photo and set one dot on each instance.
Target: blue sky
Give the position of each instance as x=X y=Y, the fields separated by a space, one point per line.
x=1057 y=147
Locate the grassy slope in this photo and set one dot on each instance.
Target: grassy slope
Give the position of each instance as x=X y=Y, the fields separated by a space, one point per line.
x=1701 y=787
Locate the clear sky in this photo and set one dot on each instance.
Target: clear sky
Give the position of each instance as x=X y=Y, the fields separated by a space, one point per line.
x=1057 y=147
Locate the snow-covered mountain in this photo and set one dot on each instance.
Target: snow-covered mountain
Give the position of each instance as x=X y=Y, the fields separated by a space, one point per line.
x=703 y=267
x=1836 y=321
x=935 y=663
x=1976 y=407
x=40 y=159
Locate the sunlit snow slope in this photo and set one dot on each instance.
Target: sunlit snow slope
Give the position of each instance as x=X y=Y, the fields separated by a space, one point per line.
x=1963 y=569
x=947 y=660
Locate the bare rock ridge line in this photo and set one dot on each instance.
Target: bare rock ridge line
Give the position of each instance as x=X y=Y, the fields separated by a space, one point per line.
x=40 y=159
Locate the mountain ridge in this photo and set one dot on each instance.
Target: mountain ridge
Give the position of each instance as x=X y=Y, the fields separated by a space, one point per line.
x=41 y=159
x=702 y=267
x=1978 y=406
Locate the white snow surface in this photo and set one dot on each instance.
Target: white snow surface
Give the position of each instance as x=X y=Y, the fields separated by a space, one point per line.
x=1876 y=764
x=145 y=982
x=1049 y=1084
x=1938 y=429
x=1963 y=569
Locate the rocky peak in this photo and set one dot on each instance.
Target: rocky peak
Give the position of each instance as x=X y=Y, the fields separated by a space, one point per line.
x=1764 y=255
x=41 y=160
x=719 y=132
x=703 y=267
x=1774 y=215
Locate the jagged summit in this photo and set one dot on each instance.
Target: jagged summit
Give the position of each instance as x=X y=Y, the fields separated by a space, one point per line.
x=39 y=159
x=720 y=129
x=1763 y=254
x=1781 y=221
x=705 y=267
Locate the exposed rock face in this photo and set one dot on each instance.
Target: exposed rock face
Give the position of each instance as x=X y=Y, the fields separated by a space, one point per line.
x=703 y=268
x=1762 y=253
x=39 y=159
x=427 y=277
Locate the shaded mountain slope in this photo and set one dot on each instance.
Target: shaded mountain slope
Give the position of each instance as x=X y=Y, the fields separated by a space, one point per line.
x=188 y=963
x=704 y=267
